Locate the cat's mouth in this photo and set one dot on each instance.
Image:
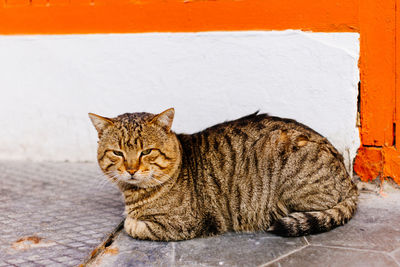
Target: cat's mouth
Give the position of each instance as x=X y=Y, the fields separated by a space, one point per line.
x=138 y=179
x=125 y=177
x=131 y=179
x=134 y=179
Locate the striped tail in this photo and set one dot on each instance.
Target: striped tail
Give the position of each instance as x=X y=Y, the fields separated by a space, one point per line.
x=312 y=222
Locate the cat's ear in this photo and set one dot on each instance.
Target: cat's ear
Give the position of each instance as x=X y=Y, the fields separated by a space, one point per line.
x=100 y=123
x=164 y=119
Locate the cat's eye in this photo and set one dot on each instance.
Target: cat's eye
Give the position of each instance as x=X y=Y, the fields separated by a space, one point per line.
x=118 y=153
x=146 y=152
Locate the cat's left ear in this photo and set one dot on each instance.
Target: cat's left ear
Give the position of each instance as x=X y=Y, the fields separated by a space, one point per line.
x=100 y=123
x=165 y=118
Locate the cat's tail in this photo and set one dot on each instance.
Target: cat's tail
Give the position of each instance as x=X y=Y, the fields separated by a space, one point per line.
x=312 y=222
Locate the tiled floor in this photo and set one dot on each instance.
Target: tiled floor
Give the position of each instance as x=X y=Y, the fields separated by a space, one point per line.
x=54 y=214
x=371 y=238
x=57 y=214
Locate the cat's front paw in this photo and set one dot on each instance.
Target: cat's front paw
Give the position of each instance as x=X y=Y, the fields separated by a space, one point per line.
x=134 y=227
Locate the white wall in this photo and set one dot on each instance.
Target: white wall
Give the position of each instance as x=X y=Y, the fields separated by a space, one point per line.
x=49 y=83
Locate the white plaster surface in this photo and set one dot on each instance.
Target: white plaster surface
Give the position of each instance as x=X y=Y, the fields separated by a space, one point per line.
x=48 y=84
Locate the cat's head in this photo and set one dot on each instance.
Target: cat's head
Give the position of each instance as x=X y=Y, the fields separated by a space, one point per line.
x=138 y=148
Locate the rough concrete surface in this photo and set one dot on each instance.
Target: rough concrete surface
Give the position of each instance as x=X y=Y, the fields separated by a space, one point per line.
x=67 y=214
x=371 y=238
x=54 y=214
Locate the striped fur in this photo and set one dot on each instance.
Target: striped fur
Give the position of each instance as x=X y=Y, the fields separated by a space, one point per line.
x=253 y=174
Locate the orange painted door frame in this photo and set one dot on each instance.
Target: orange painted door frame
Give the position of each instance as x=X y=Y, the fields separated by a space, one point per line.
x=375 y=20
x=379 y=98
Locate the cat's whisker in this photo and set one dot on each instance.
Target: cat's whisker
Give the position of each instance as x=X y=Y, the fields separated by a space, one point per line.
x=156 y=180
x=113 y=175
x=105 y=178
x=102 y=184
x=162 y=175
x=99 y=176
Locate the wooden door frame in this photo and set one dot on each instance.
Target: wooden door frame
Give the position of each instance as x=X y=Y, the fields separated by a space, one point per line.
x=379 y=52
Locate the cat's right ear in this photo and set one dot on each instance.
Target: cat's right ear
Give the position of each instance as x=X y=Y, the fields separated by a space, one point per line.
x=164 y=119
x=100 y=123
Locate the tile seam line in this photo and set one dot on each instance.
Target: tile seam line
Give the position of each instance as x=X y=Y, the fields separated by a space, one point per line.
x=102 y=246
x=284 y=256
x=352 y=248
x=173 y=254
x=394 y=259
x=391 y=254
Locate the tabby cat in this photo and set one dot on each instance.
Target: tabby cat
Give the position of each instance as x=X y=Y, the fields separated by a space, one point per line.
x=256 y=173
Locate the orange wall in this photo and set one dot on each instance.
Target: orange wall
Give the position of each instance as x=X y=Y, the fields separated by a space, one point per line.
x=374 y=19
x=120 y=16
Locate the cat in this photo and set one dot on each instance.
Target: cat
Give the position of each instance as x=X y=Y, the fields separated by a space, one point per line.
x=256 y=173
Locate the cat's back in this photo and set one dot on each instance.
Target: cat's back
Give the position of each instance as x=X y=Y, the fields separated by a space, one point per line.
x=235 y=148
x=256 y=126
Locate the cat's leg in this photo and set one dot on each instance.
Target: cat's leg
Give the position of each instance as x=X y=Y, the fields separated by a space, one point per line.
x=136 y=228
x=149 y=230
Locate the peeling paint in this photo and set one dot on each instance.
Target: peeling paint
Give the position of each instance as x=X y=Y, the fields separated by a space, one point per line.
x=373 y=162
x=105 y=247
x=391 y=166
x=111 y=251
x=368 y=163
x=30 y=242
x=336 y=40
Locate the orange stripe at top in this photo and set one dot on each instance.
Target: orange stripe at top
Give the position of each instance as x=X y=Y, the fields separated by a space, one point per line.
x=124 y=16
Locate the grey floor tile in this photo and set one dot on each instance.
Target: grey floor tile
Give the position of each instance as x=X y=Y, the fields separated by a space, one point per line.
x=375 y=226
x=28 y=264
x=335 y=257
x=234 y=249
x=126 y=251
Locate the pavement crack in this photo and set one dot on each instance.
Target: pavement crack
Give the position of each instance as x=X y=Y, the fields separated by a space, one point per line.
x=173 y=254
x=284 y=256
x=392 y=255
x=395 y=251
x=394 y=259
x=103 y=245
x=350 y=248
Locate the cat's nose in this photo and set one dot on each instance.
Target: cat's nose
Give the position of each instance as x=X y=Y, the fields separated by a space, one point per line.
x=131 y=172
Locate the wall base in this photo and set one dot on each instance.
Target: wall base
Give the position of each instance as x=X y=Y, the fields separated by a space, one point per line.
x=372 y=162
